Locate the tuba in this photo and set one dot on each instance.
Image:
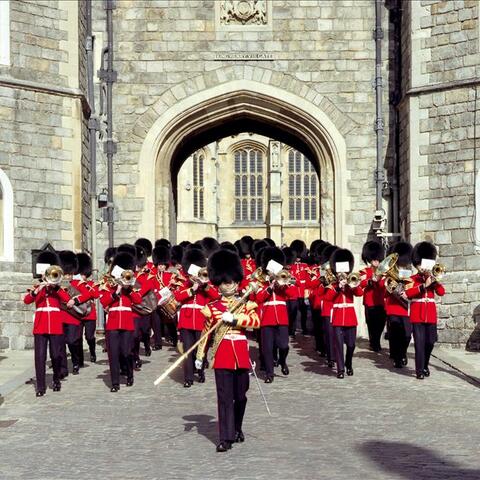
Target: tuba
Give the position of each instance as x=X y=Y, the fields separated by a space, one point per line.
x=388 y=268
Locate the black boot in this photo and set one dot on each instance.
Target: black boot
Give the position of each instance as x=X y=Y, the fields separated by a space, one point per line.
x=239 y=437
x=40 y=393
x=129 y=381
x=57 y=386
x=340 y=375
x=224 y=446
x=76 y=369
x=115 y=388
x=285 y=369
x=201 y=376
x=93 y=357
x=426 y=372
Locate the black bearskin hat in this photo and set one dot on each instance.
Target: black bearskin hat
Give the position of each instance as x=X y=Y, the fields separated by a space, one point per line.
x=372 y=250
x=162 y=242
x=146 y=244
x=224 y=267
x=244 y=246
x=176 y=254
x=257 y=248
x=84 y=264
x=209 y=245
x=341 y=255
x=229 y=246
x=110 y=252
x=271 y=243
x=299 y=247
x=68 y=262
x=193 y=256
x=314 y=245
x=318 y=249
x=140 y=256
x=423 y=250
x=327 y=253
x=124 y=260
x=290 y=255
x=185 y=243
x=271 y=253
x=161 y=255
x=404 y=251
x=128 y=248
x=48 y=257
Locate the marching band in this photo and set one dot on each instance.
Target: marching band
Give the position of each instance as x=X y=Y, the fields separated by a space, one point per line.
x=203 y=297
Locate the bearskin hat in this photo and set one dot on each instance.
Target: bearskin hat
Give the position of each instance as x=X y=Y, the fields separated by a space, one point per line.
x=314 y=245
x=140 y=256
x=244 y=246
x=423 y=250
x=85 y=264
x=176 y=254
x=110 y=252
x=193 y=256
x=162 y=242
x=128 y=248
x=372 y=250
x=209 y=245
x=299 y=247
x=229 y=246
x=224 y=267
x=146 y=244
x=161 y=255
x=404 y=251
x=68 y=262
x=341 y=255
x=48 y=257
x=290 y=255
x=185 y=243
x=326 y=253
x=271 y=253
x=257 y=248
x=318 y=249
x=124 y=260
x=271 y=243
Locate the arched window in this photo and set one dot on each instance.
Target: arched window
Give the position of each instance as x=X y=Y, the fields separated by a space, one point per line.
x=248 y=163
x=6 y=218
x=198 y=185
x=302 y=188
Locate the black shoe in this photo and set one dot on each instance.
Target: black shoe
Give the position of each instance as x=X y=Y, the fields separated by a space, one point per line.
x=93 y=357
x=322 y=354
x=330 y=364
x=340 y=375
x=420 y=376
x=157 y=347
x=285 y=370
x=224 y=446
x=129 y=381
x=115 y=388
x=201 y=376
x=269 y=380
x=40 y=393
x=426 y=372
x=239 y=437
x=148 y=352
x=138 y=365
x=398 y=364
x=76 y=370
x=57 y=386
x=187 y=384
x=275 y=363
x=404 y=361
x=350 y=371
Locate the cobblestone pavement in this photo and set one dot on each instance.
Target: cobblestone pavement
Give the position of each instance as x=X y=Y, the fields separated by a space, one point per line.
x=378 y=424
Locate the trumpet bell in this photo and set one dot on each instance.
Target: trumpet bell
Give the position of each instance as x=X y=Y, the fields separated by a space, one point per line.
x=54 y=275
x=128 y=278
x=387 y=264
x=438 y=271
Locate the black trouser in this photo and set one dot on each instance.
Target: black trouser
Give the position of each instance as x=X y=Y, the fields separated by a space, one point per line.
x=119 y=347
x=55 y=344
x=399 y=335
x=303 y=308
x=328 y=338
x=347 y=336
x=169 y=329
x=425 y=336
x=232 y=386
x=157 y=321
x=318 y=331
x=375 y=318
x=274 y=337
x=188 y=338
x=143 y=325
x=292 y=309
x=73 y=339
x=89 y=327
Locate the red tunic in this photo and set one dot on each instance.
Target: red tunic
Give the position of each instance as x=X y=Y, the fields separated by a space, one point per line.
x=299 y=271
x=161 y=280
x=120 y=315
x=393 y=305
x=88 y=292
x=70 y=319
x=373 y=291
x=343 y=310
x=422 y=300
x=48 y=316
x=273 y=304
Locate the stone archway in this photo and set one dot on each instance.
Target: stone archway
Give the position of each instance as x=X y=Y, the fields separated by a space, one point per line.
x=193 y=110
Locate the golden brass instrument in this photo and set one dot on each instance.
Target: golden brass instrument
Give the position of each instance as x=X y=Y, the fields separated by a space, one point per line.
x=438 y=271
x=284 y=278
x=388 y=268
x=353 y=280
x=53 y=275
x=259 y=276
x=127 y=279
x=202 y=277
x=329 y=276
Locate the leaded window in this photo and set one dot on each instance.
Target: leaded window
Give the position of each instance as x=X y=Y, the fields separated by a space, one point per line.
x=198 y=186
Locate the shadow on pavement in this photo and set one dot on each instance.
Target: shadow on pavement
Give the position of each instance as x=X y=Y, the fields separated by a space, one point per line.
x=205 y=425
x=413 y=462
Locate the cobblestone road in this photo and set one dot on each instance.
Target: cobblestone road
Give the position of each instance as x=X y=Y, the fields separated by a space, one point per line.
x=378 y=424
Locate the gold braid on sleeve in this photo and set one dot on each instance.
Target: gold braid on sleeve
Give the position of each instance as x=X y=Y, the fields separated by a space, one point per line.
x=203 y=344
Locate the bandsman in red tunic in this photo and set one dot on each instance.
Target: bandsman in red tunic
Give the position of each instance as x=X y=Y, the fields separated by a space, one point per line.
x=48 y=324
x=299 y=271
x=231 y=359
x=373 y=293
x=118 y=299
x=423 y=310
x=343 y=316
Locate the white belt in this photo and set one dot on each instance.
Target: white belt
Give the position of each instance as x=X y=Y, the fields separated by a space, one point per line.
x=423 y=300
x=342 y=305
x=192 y=305
x=234 y=336
x=274 y=302
x=48 y=309
x=120 y=309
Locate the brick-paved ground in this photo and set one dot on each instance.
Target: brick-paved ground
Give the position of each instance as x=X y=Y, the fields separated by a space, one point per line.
x=378 y=424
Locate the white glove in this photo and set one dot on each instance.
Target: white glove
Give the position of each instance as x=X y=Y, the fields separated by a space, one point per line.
x=198 y=364
x=228 y=317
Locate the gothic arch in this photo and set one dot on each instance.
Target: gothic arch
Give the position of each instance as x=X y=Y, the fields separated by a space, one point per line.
x=204 y=103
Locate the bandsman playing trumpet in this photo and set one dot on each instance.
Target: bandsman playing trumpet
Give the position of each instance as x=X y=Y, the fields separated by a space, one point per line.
x=423 y=310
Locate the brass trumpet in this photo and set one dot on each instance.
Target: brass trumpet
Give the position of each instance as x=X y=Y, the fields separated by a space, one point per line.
x=202 y=276
x=53 y=275
x=353 y=279
x=127 y=279
x=438 y=271
x=284 y=278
